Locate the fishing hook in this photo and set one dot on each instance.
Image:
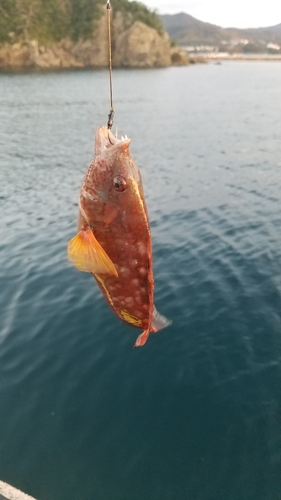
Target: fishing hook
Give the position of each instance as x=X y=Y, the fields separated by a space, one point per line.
x=111 y=113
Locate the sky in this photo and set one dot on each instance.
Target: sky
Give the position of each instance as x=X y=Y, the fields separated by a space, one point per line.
x=237 y=13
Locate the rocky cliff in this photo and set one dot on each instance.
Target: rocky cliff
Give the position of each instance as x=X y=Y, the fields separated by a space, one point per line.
x=134 y=45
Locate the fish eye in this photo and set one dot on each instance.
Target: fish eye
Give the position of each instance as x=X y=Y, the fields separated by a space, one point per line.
x=119 y=183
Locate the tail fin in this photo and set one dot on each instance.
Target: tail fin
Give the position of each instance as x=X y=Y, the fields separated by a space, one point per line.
x=159 y=321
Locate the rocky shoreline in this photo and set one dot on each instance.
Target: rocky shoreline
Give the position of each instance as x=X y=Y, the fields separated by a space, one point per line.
x=138 y=46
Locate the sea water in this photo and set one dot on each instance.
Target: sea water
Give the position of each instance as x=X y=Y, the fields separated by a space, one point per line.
x=195 y=414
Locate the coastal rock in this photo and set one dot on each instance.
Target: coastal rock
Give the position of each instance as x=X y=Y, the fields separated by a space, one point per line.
x=57 y=56
x=134 y=45
x=142 y=47
x=179 y=57
x=93 y=52
x=15 y=55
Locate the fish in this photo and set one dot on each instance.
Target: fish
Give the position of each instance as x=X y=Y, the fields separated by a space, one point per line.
x=113 y=240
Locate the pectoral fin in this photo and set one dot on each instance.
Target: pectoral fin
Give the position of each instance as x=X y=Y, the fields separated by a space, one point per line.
x=86 y=253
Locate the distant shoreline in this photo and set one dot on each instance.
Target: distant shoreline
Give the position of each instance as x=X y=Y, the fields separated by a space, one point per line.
x=219 y=56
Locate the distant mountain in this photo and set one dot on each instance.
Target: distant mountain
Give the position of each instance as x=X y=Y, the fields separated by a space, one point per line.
x=189 y=31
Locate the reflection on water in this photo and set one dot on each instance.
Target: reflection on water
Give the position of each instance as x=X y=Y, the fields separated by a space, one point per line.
x=194 y=414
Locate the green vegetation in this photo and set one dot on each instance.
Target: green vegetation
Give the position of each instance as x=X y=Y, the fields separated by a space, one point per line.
x=173 y=43
x=138 y=12
x=52 y=20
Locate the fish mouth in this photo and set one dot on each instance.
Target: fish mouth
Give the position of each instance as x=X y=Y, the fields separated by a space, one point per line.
x=106 y=142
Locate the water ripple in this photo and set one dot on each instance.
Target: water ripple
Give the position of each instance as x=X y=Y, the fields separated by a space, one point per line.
x=196 y=411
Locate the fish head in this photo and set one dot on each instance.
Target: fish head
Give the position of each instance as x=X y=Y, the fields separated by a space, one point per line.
x=113 y=182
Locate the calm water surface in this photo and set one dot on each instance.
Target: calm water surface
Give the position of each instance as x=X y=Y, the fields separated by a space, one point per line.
x=196 y=413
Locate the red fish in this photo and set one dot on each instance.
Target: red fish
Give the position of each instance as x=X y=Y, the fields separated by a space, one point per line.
x=114 y=241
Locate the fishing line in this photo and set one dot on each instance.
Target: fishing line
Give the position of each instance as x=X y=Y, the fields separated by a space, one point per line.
x=111 y=113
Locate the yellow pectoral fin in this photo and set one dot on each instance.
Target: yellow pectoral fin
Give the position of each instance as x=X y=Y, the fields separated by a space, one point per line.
x=86 y=253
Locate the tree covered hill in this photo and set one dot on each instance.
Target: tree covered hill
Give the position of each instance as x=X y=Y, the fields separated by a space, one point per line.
x=53 y=20
x=187 y=30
